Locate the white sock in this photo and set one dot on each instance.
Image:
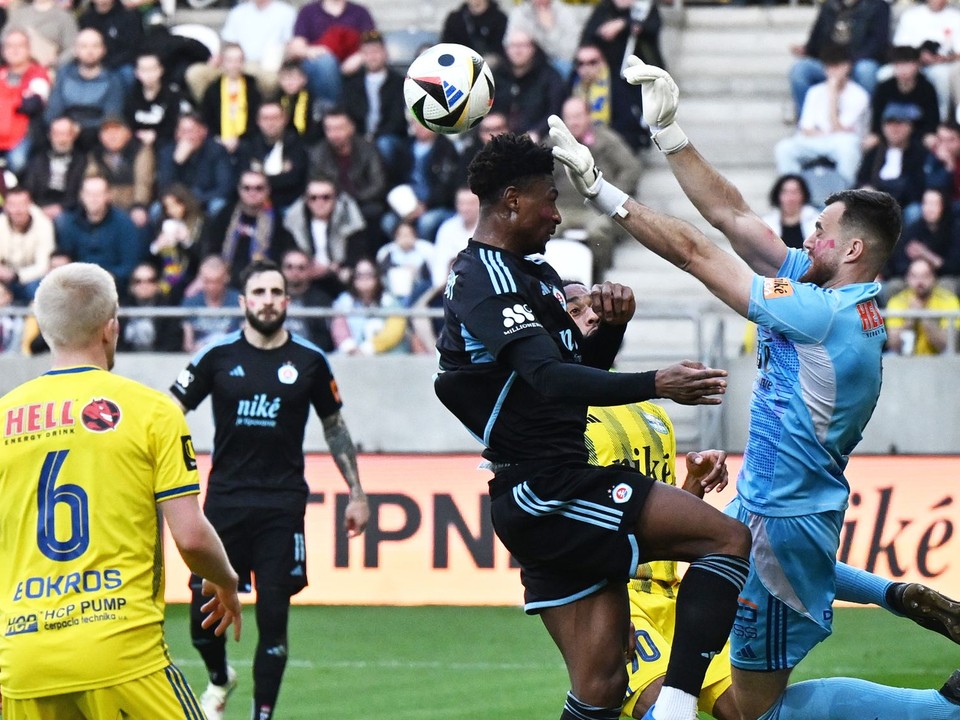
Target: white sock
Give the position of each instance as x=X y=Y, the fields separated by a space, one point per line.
x=673 y=704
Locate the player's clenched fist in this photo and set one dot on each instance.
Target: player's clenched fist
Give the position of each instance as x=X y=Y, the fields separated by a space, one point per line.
x=614 y=303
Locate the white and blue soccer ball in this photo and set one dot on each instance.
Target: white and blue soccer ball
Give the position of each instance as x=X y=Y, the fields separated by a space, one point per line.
x=448 y=88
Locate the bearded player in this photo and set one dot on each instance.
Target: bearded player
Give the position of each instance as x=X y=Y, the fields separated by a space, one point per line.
x=263 y=380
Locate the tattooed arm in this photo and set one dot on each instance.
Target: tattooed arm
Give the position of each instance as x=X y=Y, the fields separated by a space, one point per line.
x=345 y=456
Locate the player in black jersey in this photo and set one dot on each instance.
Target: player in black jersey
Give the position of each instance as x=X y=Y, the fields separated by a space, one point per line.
x=263 y=380
x=515 y=369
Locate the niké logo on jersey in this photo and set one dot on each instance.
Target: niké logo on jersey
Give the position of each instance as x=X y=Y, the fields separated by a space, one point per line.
x=258 y=410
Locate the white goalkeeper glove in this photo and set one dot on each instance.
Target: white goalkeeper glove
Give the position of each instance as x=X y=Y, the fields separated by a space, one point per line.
x=660 y=99
x=583 y=173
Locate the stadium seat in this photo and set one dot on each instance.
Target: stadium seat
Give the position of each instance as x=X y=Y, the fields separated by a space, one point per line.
x=404 y=45
x=571 y=259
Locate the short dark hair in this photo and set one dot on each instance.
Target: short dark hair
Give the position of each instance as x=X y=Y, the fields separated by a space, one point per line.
x=833 y=54
x=258 y=267
x=872 y=215
x=508 y=159
x=783 y=180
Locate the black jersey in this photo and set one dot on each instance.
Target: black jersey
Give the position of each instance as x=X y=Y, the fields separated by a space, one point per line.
x=494 y=297
x=261 y=400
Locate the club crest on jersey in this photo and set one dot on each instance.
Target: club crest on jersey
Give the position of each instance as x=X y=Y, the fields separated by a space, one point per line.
x=287 y=374
x=100 y=415
x=621 y=493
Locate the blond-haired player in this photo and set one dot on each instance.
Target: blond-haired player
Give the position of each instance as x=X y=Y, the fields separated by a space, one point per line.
x=89 y=461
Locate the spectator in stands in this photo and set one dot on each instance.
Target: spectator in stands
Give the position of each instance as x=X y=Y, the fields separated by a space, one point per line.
x=129 y=167
x=529 y=90
x=24 y=89
x=178 y=51
x=551 y=24
x=373 y=96
x=934 y=237
x=229 y=105
x=616 y=27
x=404 y=264
x=11 y=326
x=248 y=229
x=356 y=166
x=590 y=80
x=618 y=162
x=478 y=24
x=262 y=29
x=85 y=89
x=792 y=218
x=355 y=334
x=832 y=124
x=26 y=242
x=921 y=336
x=895 y=165
x=215 y=292
x=859 y=27
x=493 y=123
x=295 y=267
x=302 y=110
x=326 y=40
x=276 y=150
x=933 y=27
x=122 y=32
x=942 y=164
x=175 y=249
x=909 y=87
x=153 y=105
x=431 y=168
x=453 y=234
x=328 y=227
x=197 y=161
x=52 y=30
x=151 y=333
x=54 y=174
x=96 y=232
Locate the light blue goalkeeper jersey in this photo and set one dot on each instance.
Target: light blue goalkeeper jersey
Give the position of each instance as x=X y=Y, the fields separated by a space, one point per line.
x=819 y=373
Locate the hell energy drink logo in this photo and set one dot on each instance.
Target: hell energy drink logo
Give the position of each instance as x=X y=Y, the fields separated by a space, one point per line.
x=100 y=415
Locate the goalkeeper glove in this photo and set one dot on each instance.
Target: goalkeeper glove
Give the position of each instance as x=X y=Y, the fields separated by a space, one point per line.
x=660 y=99
x=583 y=173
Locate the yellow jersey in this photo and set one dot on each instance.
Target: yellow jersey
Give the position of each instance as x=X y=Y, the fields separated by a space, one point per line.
x=86 y=458
x=638 y=436
x=940 y=299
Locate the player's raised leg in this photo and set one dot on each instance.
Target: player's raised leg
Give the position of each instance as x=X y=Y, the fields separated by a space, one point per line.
x=675 y=525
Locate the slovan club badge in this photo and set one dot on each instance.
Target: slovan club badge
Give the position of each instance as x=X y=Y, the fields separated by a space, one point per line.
x=287 y=374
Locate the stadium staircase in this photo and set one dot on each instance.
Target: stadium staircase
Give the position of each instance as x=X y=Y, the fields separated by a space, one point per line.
x=731 y=64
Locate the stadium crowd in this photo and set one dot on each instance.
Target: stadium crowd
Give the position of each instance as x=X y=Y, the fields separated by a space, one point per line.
x=128 y=141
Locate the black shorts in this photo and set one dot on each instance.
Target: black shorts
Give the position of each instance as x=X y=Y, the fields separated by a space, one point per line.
x=570 y=526
x=267 y=542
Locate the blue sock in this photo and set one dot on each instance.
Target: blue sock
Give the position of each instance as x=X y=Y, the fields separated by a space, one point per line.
x=859 y=586
x=853 y=699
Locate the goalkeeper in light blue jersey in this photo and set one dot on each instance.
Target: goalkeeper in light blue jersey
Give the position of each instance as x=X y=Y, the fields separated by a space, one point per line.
x=819 y=356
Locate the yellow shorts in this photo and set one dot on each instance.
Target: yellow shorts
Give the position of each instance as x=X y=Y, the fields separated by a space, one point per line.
x=163 y=695
x=654 y=621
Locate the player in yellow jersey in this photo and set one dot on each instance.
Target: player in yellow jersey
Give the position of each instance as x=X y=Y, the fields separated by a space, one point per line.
x=88 y=460
x=640 y=435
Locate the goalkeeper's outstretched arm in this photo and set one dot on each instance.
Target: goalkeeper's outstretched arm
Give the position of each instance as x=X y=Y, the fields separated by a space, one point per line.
x=715 y=197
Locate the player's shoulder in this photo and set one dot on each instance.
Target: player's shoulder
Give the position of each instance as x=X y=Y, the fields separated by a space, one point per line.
x=303 y=346
x=486 y=269
x=144 y=397
x=225 y=345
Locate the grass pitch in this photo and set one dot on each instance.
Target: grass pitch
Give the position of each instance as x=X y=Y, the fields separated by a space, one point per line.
x=425 y=663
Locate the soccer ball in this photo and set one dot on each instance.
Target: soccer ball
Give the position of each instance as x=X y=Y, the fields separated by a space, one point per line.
x=448 y=88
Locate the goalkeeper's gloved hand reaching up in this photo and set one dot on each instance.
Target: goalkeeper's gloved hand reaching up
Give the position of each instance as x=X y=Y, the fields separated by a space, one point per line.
x=660 y=99
x=583 y=172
